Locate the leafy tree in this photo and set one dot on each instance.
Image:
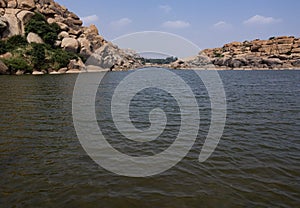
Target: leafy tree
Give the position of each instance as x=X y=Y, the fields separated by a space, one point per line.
x=39 y=25
x=3 y=47
x=38 y=55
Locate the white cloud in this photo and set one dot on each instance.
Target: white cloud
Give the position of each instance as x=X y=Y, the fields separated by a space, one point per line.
x=261 y=20
x=179 y=24
x=121 y=23
x=90 y=19
x=222 y=25
x=165 y=8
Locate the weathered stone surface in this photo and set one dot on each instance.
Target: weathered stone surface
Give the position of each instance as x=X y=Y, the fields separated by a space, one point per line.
x=6 y=55
x=24 y=17
x=34 y=38
x=111 y=57
x=38 y=73
x=20 y=72
x=15 y=27
x=63 y=35
x=12 y=4
x=3 y=69
x=3 y=24
x=76 y=65
x=63 y=26
x=278 y=52
x=70 y=44
x=3 y=3
x=296 y=63
x=26 y=4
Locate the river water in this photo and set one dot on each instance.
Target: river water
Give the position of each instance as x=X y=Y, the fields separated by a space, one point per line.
x=256 y=164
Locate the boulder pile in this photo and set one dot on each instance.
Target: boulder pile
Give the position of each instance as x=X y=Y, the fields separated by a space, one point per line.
x=15 y=14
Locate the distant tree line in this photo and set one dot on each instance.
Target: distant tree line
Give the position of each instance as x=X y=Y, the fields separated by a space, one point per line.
x=158 y=61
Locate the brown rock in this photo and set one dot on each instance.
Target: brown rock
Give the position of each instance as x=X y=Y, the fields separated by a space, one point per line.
x=92 y=29
x=24 y=17
x=85 y=46
x=34 y=38
x=20 y=72
x=63 y=26
x=12 y=4
x=63 y=35
x=6 y=55
x=26 y=4
x=3 y=4
x=284 y=48
x=15 y=25
x=3 y=69
x=70 y=44
x=296 y=50
x=285 y=41
x=77 y=65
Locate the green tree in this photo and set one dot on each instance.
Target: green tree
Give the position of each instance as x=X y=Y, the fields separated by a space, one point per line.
x=39 y=25
x=38 y=55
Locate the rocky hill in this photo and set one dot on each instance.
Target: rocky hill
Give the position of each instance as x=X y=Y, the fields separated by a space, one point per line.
x=275 y=53
x=72 y=36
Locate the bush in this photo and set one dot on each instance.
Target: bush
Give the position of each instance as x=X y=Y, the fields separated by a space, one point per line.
x=39 y=25
x=3 y=47
x=218 y=55
x=61 y=58
x=15 y=42
x=15 y=64
x=37 y=55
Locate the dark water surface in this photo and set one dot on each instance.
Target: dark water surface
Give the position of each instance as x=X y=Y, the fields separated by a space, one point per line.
x=256 y=164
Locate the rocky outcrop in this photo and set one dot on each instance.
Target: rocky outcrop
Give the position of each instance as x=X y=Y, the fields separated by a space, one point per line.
x=15 y=14
x=109 y=56
x=275 y=53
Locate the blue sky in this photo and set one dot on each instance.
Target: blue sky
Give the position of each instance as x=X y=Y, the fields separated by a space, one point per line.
x=210 y=23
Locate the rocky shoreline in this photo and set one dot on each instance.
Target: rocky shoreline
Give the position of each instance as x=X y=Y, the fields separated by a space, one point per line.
x=277 y=53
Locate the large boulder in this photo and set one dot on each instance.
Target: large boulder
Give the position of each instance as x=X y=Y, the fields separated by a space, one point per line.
x=76 y=64
x=3 y=69
x=24 y=17
x=70 y=44
x=272 y=62
x=26 y=4
x=12 y=4
x=296 y=63
x=34 y=38
x=111 y=57
x=15 y=25
x=3 y=4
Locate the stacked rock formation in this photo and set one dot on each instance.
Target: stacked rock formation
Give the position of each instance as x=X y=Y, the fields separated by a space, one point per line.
x=275 y=53
x=14 y=14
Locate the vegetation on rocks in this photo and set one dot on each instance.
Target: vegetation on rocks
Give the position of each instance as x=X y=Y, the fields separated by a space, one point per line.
x=27 y=57
x=38 y=25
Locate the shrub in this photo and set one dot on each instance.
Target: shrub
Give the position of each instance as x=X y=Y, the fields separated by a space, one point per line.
x=218 y=55
x=3 y=47
x=15 y=64
x=39 y=25
x=37 y=55
x=15 y=42
x=61 y=58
